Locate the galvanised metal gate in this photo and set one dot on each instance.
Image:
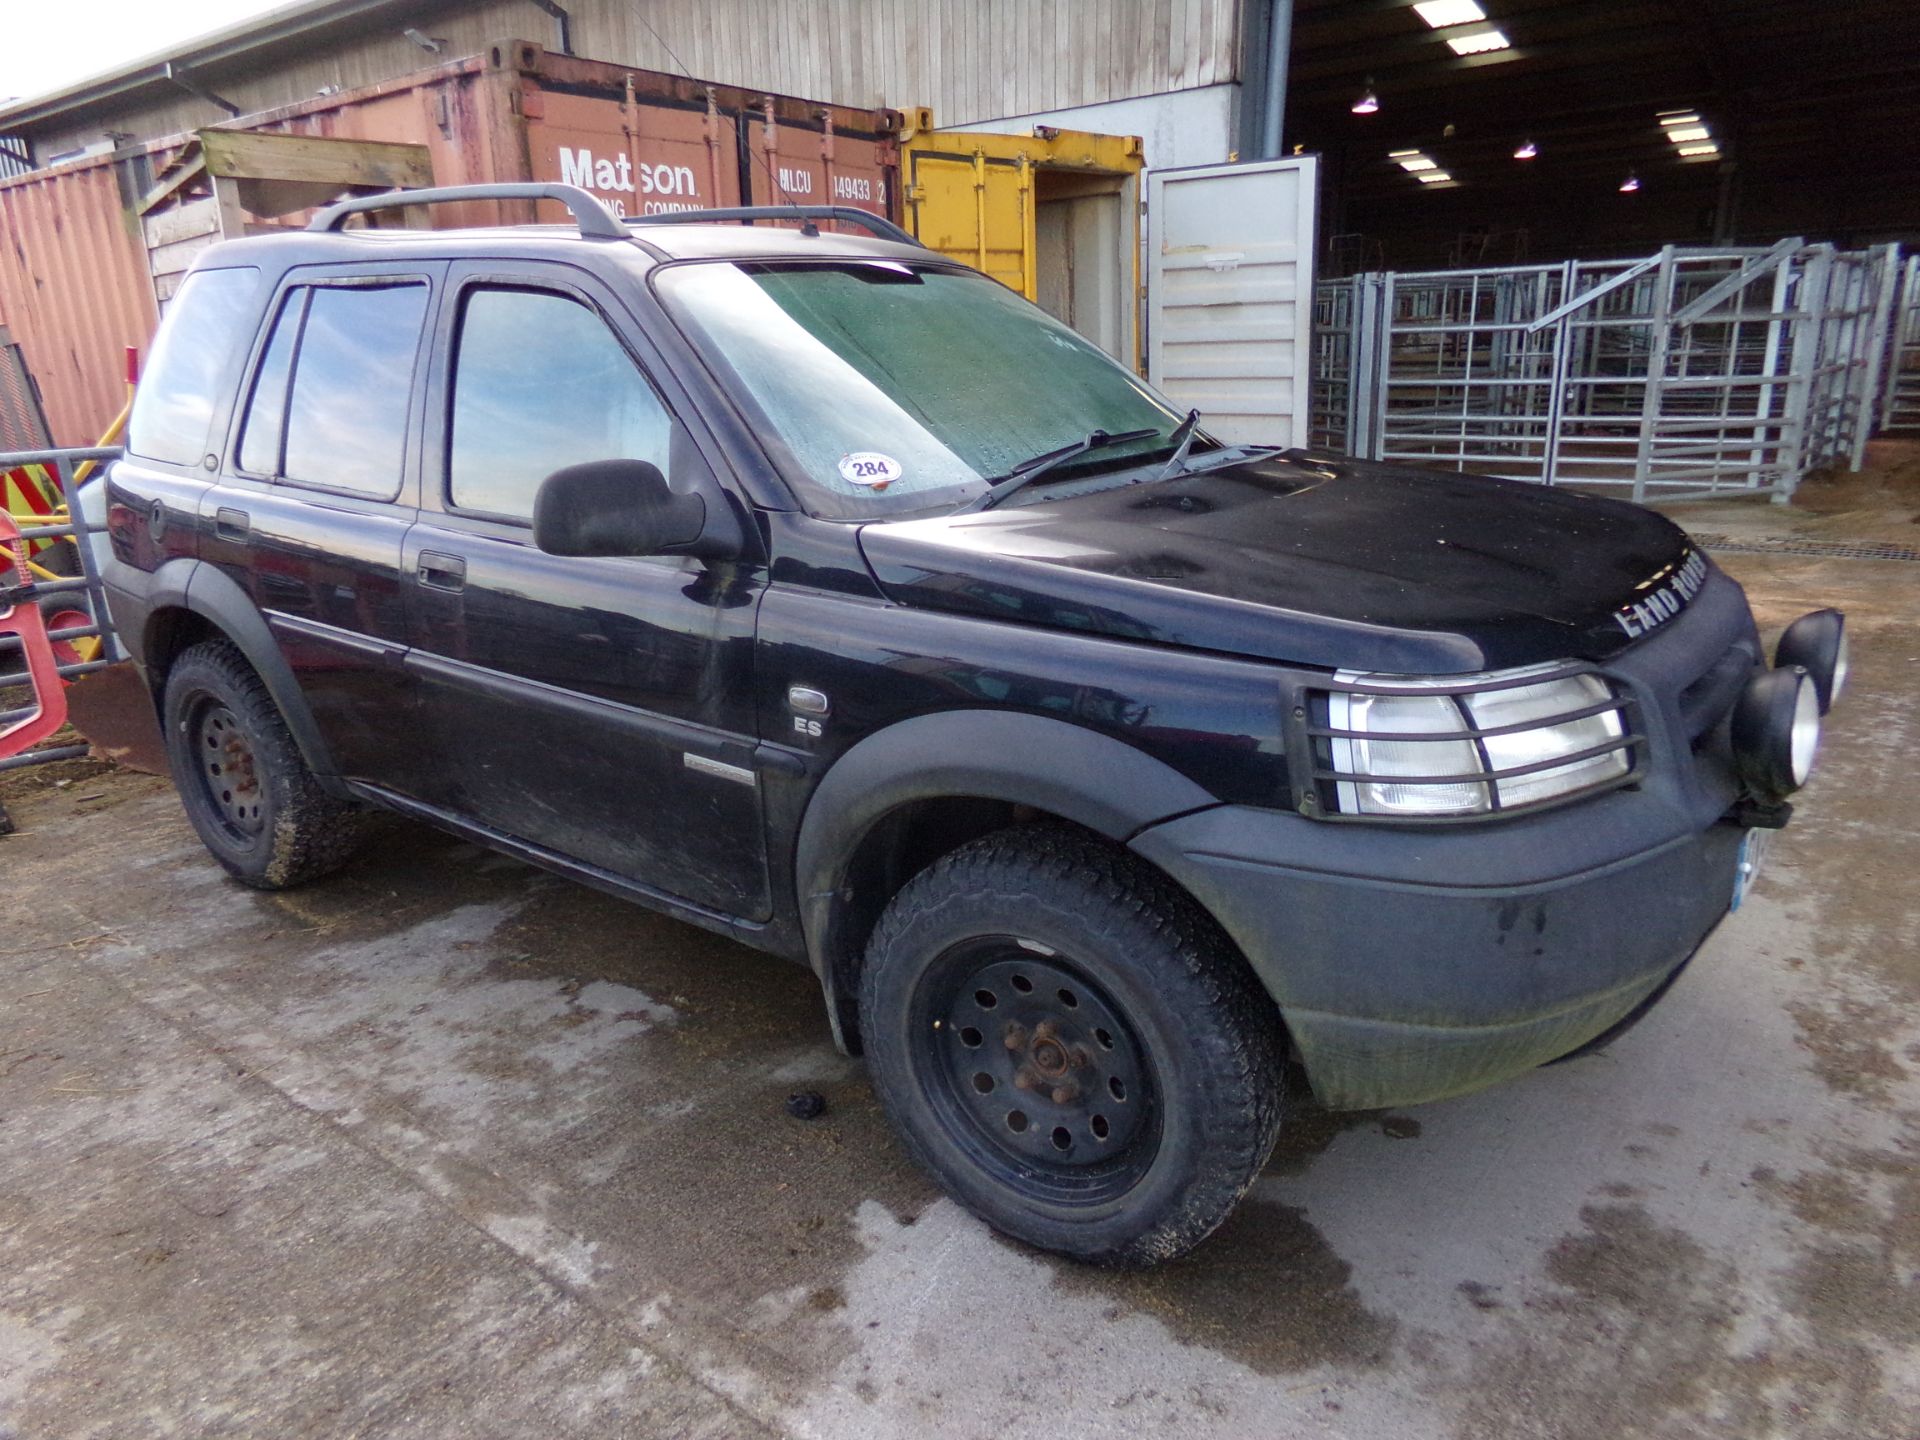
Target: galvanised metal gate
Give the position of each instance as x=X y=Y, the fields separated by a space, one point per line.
x=1900 y=398
x=1690 y=372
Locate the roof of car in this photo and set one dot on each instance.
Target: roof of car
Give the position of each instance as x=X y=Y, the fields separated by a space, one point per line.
x=676 y=241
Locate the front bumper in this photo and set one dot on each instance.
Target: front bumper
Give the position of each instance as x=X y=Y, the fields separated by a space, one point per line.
x=1417 y=962
x=1401 y=990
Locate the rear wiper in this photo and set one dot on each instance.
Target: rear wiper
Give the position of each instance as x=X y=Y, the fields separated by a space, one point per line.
x=1028 y=471
x=1182 y=439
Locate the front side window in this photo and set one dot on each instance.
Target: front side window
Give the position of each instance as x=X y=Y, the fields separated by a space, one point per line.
x=541 y=382
x=206 y=324
x=882 y=387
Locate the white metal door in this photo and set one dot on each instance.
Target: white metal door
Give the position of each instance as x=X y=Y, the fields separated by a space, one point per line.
x=1230 y=252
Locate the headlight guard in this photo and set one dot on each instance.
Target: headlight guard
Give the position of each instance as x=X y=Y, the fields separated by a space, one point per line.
x=1466 y=747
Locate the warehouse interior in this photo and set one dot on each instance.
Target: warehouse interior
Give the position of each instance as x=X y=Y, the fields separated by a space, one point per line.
x=1811 y=112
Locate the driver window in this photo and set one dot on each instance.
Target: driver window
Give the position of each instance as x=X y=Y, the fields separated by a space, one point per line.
x=540 y=381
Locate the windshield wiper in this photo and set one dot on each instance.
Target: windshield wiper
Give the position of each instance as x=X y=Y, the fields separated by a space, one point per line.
x=1182 y=438
x=1028 y=471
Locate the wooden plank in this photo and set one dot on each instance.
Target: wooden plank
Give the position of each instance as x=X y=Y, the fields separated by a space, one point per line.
x=182 y=222
x=265 y=155
x=173 y=258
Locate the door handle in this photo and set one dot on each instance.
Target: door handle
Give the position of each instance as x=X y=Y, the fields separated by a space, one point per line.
x=442 y=572
x=234 y=525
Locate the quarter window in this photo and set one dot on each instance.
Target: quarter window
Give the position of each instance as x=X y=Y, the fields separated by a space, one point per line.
x=540 y=382
x=205 y=325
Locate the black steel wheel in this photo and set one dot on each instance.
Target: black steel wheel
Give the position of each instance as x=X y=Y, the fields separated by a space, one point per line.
x=242 y=779
x=1071 y=1047
x=1034 y=1070
x=227 y=774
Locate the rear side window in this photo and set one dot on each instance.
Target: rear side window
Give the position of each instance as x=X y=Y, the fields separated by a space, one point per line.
x=330 y=400
x=541 y=382
x=205 y=325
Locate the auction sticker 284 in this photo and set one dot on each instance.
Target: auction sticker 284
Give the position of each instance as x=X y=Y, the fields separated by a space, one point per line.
x=869 y=468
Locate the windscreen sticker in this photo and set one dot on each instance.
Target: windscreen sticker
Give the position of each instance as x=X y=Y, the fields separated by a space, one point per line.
x=869 y=468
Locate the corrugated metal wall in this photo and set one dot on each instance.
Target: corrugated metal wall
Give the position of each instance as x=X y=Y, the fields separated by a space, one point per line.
x=70 y=246
x=969 y=59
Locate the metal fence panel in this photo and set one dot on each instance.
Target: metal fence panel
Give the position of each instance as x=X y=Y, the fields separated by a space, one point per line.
x=1696 y=371
x=1900 y=392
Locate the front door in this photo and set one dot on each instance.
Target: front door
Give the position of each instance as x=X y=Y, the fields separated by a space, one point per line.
x=600 y=709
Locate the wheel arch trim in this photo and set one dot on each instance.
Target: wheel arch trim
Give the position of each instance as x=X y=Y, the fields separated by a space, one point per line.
x=1063 y=769
x=205 y=591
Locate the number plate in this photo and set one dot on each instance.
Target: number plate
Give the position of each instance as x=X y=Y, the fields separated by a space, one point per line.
x=1753 y=852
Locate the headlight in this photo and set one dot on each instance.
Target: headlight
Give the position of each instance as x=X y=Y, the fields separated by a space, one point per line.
x=1472 y=745
x=1818 y=644
x=1776 y=731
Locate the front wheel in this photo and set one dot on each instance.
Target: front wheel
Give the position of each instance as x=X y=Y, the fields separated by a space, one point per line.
x=1071 y=1047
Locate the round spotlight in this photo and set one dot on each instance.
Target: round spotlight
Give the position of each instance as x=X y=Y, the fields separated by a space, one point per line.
x=1776 y=731
x=1817 y=642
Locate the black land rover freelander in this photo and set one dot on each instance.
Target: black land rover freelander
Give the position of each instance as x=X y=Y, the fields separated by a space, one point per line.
x=827 y=594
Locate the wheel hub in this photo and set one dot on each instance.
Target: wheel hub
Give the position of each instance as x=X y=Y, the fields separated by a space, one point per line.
x=228 y=771
x=1036 y=1060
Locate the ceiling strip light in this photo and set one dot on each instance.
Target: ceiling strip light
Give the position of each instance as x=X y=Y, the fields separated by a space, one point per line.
x=1442 y=13
x=1478 y=42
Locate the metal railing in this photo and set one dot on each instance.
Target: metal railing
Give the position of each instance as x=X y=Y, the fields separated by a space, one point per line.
x=75 y=655
x=1690 y=372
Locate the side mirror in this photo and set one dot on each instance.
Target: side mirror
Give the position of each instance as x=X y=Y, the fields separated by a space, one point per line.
x=625 y=507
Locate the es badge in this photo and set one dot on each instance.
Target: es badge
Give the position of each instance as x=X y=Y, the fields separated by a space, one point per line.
x=869 y=468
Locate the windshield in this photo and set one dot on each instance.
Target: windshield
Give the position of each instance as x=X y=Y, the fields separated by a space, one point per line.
x=882 y=387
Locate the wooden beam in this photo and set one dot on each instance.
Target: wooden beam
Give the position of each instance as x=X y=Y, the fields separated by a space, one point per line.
x=267 y=155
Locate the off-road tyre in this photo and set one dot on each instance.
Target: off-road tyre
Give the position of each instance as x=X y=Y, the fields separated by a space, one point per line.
x=246 y=789
x=1139 y=986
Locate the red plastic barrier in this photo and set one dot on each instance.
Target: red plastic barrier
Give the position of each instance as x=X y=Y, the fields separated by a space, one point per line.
x=22 y=618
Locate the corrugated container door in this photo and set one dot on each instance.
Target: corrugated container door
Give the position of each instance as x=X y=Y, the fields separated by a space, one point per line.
x=1230 y=252
x=823 y=159
x=976 y=208
x=641 y=157
x=1054 y=215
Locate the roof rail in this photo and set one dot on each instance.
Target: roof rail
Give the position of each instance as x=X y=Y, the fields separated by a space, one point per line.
x=878 y=226
x=597 y=222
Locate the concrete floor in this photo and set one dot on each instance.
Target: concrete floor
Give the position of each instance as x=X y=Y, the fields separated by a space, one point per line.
x=445 y=1147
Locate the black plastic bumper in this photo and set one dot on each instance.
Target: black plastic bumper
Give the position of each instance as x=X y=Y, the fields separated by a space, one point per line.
x=1463 y=959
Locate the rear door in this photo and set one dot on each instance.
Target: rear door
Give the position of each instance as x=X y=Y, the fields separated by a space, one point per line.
x=600 y=709
x=1230 y=294
x=317 y=490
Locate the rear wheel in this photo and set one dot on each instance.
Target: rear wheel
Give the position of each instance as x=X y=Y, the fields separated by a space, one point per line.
x=246 y=789
x=1070 y=1046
